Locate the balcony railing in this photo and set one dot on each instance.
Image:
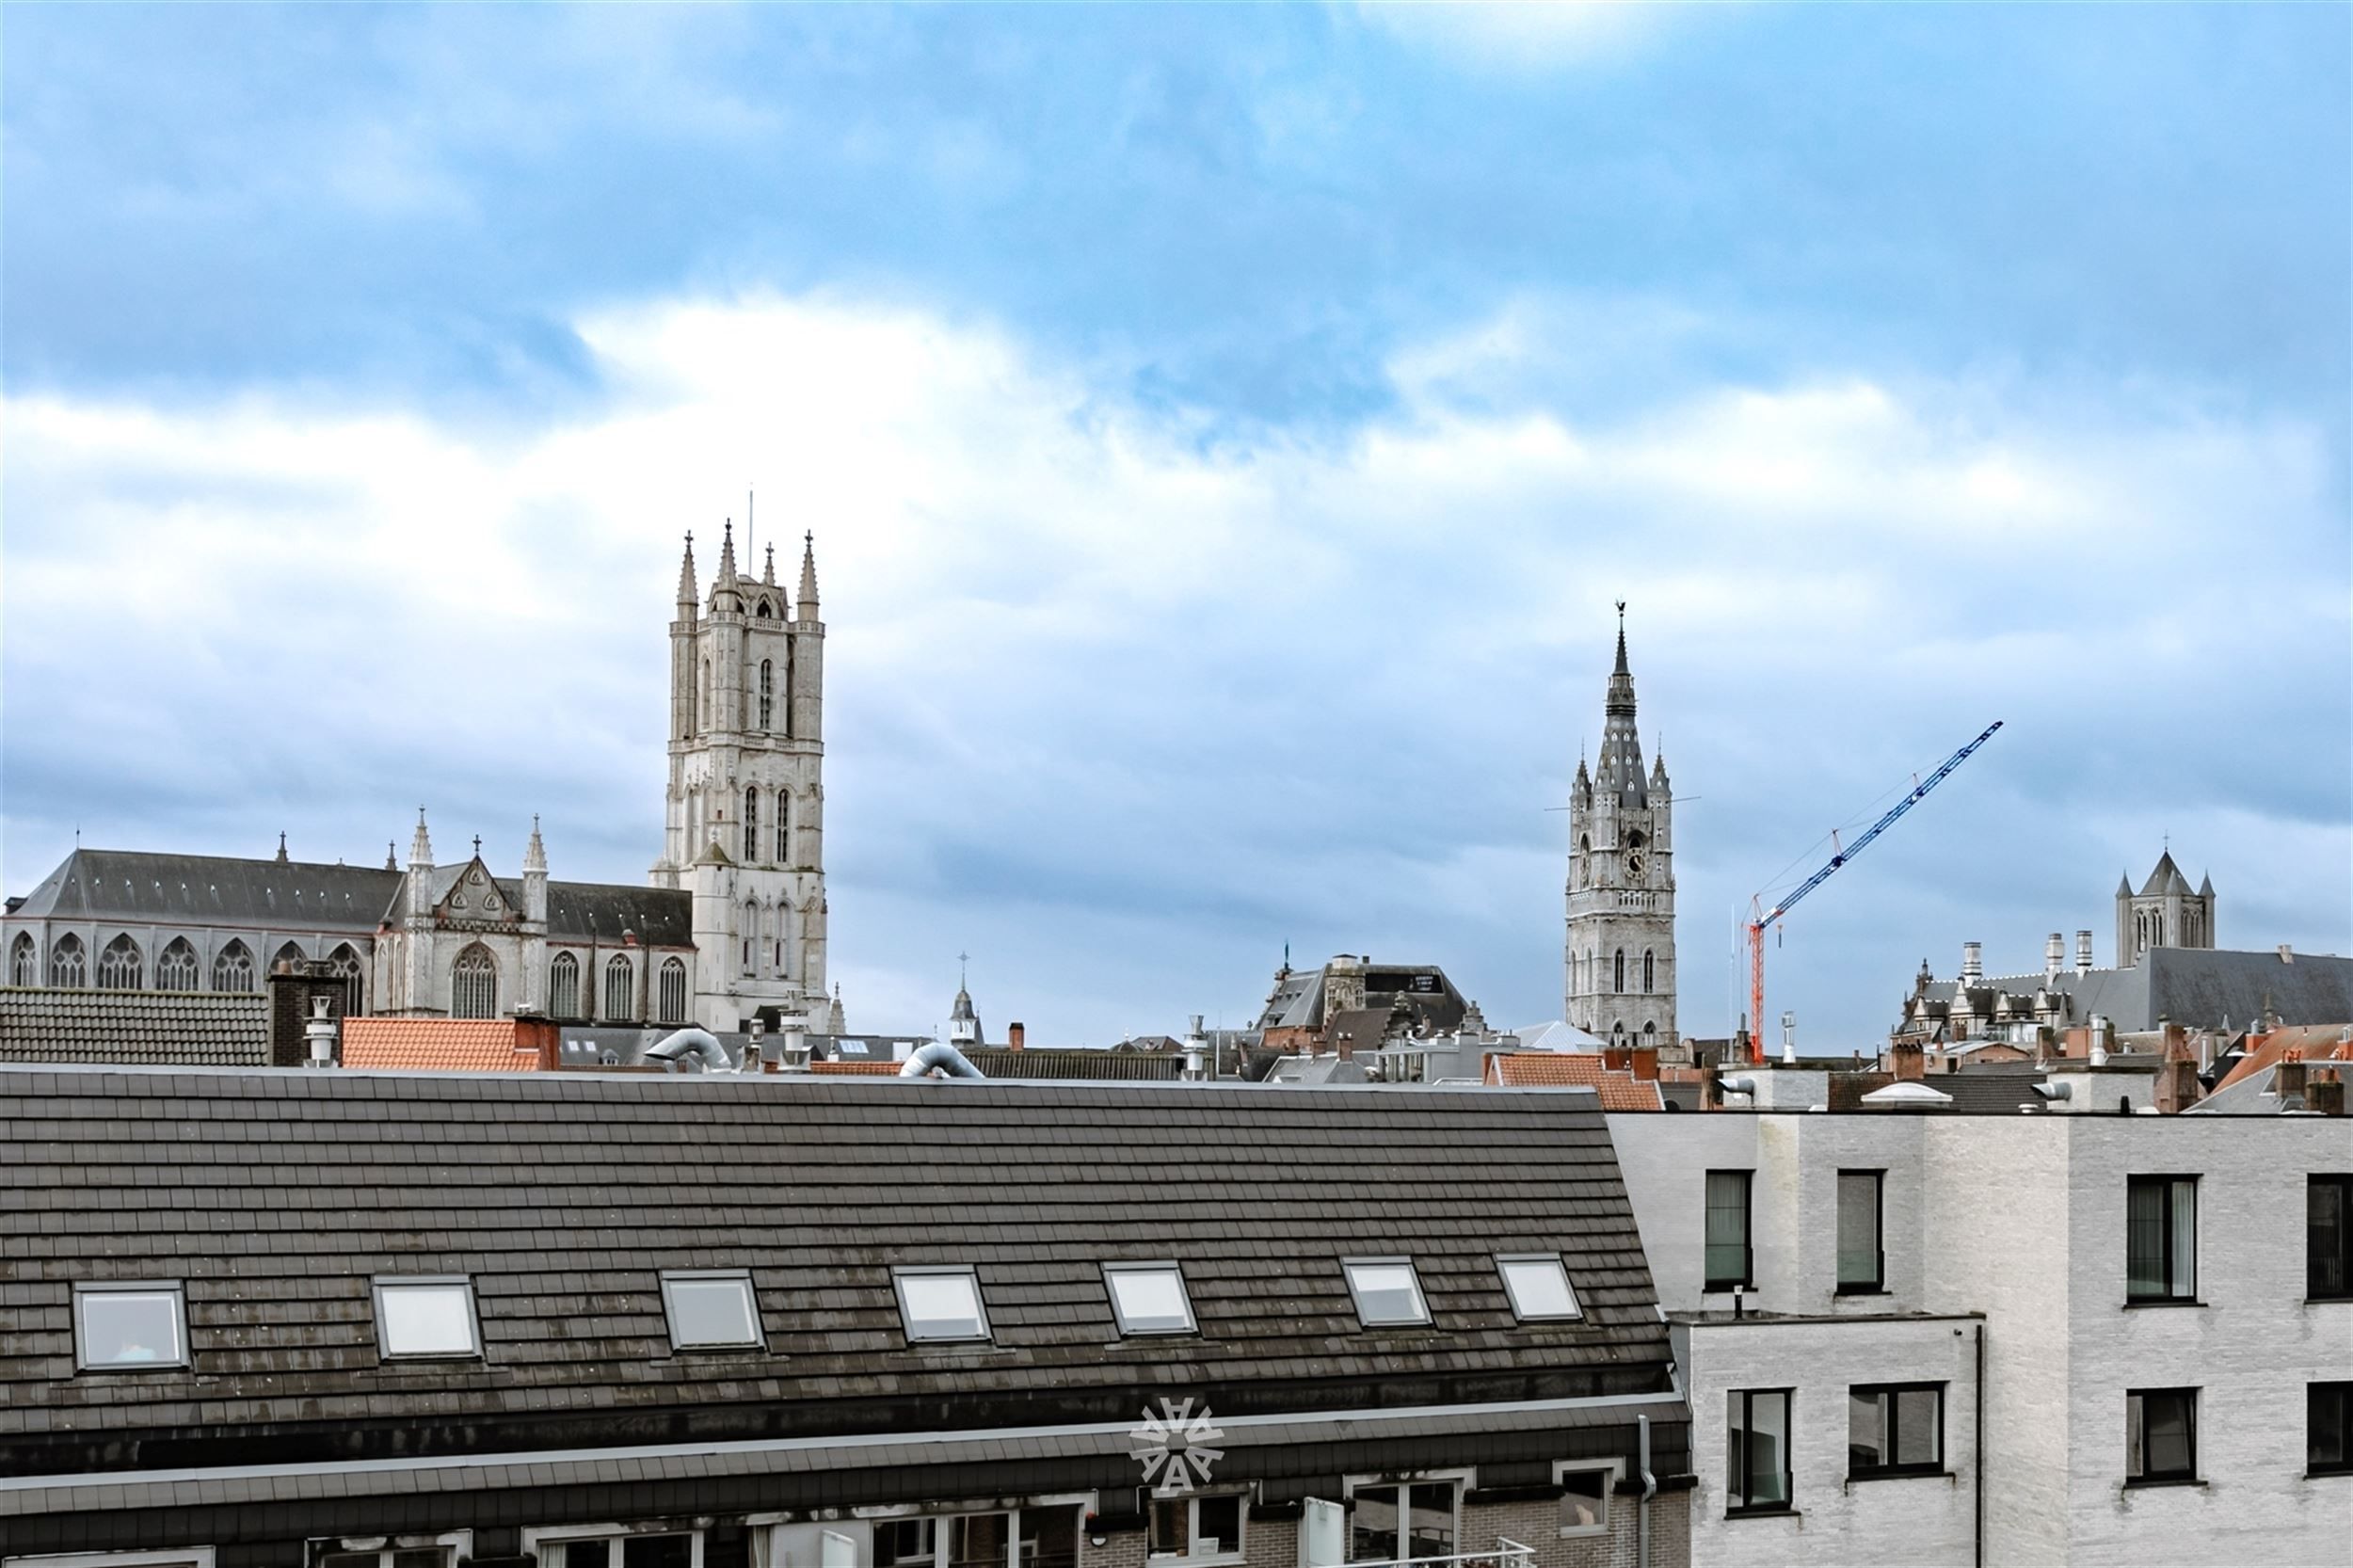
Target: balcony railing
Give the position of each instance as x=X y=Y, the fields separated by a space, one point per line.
x=1508 y=1553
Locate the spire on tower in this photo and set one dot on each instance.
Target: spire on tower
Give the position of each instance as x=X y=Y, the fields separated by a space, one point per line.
x=1622 y=669
x=421 y=844
x=281 y=847
x=392 y=860
x=726 y=554
x=808 y=610
x=769 y=574
x=534 y=852
x=1621 y=771
x=688 y=596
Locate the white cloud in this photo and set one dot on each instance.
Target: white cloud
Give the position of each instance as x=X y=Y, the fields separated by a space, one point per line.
x=1132 y=714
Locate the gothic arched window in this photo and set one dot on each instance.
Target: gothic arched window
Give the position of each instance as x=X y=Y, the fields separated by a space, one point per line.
x=751 y=938
x=24 y=961
x=751 y=825
x=1617 y=980
x=564 y=986
x=344 y=961
x=175 y=970
x=232 y=968
x=1650 y=1035
x=767 y=686
x=67 y=964
x=706 y=695
x=1647 y=971
x=288 y=954
x=673 y=991
x=784 y=827
x=119 y=967
x=473 y=984
x=620 y=987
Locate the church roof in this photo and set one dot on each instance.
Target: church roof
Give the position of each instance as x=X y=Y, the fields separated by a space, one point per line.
x=2197 y=988
x=2165 y=879
x=577 y=911
x=138 y=886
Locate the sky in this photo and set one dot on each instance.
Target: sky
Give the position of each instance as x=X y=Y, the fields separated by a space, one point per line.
x=1225 y=432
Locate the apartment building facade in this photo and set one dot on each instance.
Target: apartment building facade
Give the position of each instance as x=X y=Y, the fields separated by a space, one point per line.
x=2028 y=1339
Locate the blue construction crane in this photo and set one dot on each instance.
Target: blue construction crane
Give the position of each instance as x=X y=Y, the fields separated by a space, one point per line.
x=1758 y=924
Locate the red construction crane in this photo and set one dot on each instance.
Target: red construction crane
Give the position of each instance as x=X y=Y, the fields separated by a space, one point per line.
x=1759 y=920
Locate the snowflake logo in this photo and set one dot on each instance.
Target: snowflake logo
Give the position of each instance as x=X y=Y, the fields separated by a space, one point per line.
x=1173 y=1445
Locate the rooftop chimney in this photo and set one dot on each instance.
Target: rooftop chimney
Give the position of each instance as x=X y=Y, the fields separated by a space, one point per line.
x=2083 y=952
x=1909 y=1060
x=1972 y=963
x=2054 y=957
x=2325 y=1095
x=1015 y=1036
x=320 y=1032
x=1194 y=1050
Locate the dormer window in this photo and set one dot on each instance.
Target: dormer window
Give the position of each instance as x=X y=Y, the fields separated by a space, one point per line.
x=1538 y=1286
x=1387 y=1292
x=1148 y=1298
x=942 y=1306
x=427 y=1317
x=129 y=1328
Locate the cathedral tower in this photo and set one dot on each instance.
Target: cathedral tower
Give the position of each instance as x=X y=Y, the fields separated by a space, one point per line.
x=1621 y=961
x=745 y=826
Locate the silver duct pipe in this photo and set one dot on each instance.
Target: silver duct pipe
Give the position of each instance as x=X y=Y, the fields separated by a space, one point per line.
x=1650 y=1490
x=699 y=1043
x=940 y=1056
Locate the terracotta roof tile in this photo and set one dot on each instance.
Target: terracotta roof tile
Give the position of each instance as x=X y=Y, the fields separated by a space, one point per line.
x=1528 y=1069
x=438 y=1046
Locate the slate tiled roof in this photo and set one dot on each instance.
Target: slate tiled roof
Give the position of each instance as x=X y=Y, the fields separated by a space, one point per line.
x=562 y=1196
x=157 y=1028
x=137 y=888
x=437 y=1044
x=1619 y=1089
x=2195 y=987
x=661 y=917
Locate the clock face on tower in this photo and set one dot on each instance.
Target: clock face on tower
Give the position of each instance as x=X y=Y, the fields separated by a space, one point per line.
x=1633 y=865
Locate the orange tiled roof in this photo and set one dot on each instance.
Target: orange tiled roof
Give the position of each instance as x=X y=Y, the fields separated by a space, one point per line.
x=1620 y=1090
x=2310 y=1042
x=438 y=1046
x=855 y=1070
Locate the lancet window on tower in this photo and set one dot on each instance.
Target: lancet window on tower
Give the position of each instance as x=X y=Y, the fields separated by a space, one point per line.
x=751 y=825
x=751 y=938
x=24 y=965
x=1617 y=982
x=767 y=686
x=1649 y=973
x=784 y=827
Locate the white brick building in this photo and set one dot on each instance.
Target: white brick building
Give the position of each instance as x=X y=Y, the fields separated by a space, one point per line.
x=2223 y=1318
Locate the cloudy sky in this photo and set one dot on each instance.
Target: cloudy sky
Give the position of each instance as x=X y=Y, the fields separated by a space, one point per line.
x=1225 y=432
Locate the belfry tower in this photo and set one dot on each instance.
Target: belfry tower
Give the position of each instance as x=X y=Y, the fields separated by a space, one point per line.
x=745 y=824
x=1621 y=959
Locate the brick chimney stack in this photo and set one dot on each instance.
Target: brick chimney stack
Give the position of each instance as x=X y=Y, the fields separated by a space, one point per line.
x=1014 y=1036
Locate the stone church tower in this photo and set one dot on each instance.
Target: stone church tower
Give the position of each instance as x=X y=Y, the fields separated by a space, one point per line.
x=1622 y=886
x=2164 y=914
x=745 y=829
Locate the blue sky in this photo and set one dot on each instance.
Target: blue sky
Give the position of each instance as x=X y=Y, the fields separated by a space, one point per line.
x=1225 y=430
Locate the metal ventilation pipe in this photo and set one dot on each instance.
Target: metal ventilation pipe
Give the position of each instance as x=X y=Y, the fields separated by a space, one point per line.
x=1195 y=1049
x=701 y=1044
x=320 y=1031
x=1738 y=1083
x=940 y=1056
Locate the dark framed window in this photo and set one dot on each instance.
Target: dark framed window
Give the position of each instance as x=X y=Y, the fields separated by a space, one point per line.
x=2327 y=1428
x=135 y=1328
x=1730 y=1260
x=1757 y=1450
x=1397 y=1523
x=1861 y=1260
x=2328 y=1237
x=1895 y=1429
x=2161 y=1238
x=2161 y=1435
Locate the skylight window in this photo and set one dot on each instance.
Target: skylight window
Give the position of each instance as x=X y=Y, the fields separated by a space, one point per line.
x=1386 y=1291
x=129 y=1327
x=1148 y=1298
x=711 y=1310
x=941 y=1304
x=426 y=1316
x=1539 y=1288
